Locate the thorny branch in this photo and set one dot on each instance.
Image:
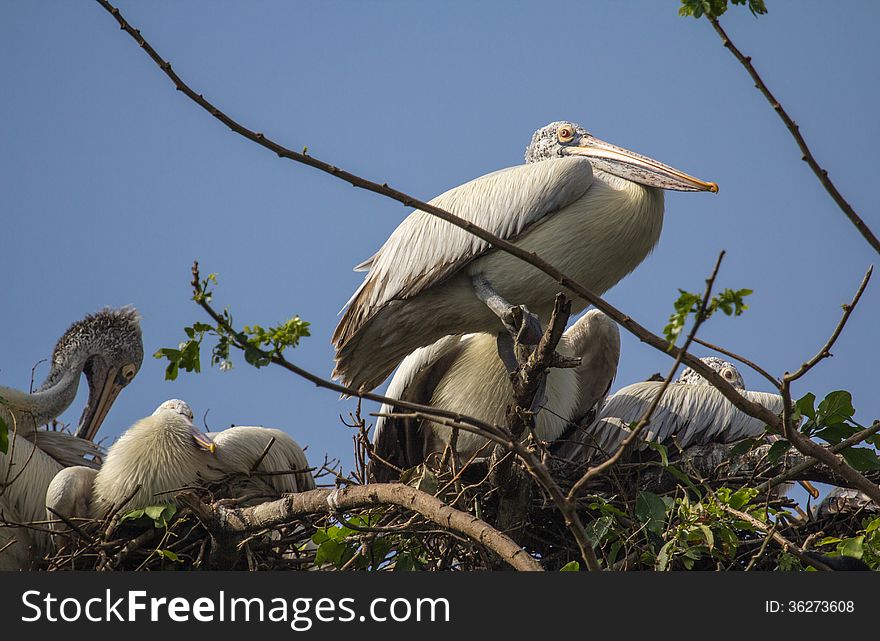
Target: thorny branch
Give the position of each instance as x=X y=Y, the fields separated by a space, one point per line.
x=791 y=125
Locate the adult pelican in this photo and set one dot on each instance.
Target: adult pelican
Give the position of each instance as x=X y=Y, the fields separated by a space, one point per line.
x=165 y=452
x=107 y=348
x=464 y=374
x=590 y=208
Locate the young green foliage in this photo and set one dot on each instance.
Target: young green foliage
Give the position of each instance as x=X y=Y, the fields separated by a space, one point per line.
x=730 y=301
x=832 y=421
x=716 y=8
x=258 y=343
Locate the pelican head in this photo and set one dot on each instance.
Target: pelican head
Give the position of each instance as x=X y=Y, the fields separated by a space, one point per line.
x=160 y=453
x=107 y=347
x=725 y=369
x=562 y=138
x=176 y=405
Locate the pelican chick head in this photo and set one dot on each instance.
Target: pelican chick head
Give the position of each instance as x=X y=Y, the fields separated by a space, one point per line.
x=160 y=453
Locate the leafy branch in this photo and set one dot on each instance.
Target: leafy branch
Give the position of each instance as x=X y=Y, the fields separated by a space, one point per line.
x=715 y=8
x=256 y=342
x=729 y=301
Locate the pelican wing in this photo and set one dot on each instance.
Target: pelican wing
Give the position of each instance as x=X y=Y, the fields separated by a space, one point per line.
x=687 y=414
x=242 y=447
x=401 y=441
x=424 y=250
x=67 y=449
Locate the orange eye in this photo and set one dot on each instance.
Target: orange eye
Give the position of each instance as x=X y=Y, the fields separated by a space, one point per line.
x=565 y=134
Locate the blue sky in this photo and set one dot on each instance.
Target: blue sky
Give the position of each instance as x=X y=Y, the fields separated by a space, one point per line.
x=111 y=182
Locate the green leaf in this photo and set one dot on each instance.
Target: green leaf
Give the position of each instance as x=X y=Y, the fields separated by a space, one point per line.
x=707 y=534
x=664 y=454
x=168 y=554
x=806 y=406
x=571 y=566
x=777 y=450
x=742 y=497
x=852 y=547
x=132 y=515
x=836 y=407
x=861 y=459
x=834 y=434
x=651 y=510
x=743 y=446
x=664 y=556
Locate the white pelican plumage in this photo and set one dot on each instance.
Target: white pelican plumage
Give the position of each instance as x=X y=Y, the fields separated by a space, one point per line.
x=465 y=375
x=691 y=412
x=589 y=208
x=165 y=452
x=107 y=348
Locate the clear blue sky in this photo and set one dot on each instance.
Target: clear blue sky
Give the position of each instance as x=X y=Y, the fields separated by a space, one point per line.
x=111 y=182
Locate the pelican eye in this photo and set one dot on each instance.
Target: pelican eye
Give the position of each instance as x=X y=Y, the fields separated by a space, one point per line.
x=129 y=371
x=565 y=134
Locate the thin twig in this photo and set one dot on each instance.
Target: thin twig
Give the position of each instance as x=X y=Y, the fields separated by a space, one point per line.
x=751 y=408
x=784 y=542
x=742 y=359
x=825 y=352
x=791 y=125
x=603 y=467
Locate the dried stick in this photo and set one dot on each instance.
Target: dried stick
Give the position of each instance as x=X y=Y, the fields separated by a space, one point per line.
x=791 y=125
x=237 y=521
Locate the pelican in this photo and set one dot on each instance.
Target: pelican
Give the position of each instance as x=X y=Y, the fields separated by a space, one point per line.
x=464 y=374
x=589 y=208
x=107 y=348
x=165 y=452
x=842 y=500
x=691 y=412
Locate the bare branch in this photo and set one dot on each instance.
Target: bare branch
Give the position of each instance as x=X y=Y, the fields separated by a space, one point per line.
x=807 y=157
x=603 y=467
x=825 y=352
x=238 y=521
x=752 y=409
x=742 y=359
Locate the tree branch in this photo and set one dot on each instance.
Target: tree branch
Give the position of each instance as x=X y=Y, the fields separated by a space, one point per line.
x=752 y=409
x=784 y=542
x=791 y=125
x=240 y=521
x=603 y=467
